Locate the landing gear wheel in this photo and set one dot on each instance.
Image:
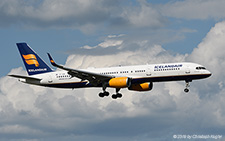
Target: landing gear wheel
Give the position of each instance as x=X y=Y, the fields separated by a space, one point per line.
x=106 y=93
x=119 y=95
x=103 y=94
x=114 y=96
x=186 y=90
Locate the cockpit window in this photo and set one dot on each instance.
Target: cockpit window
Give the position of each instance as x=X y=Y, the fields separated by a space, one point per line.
x=200 y=68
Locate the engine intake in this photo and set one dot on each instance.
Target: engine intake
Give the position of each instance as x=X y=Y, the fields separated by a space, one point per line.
x=141 y=87
x=119 y=82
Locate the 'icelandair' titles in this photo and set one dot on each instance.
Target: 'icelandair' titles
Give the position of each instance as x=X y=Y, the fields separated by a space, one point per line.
x=167 y=66
x=37 y=70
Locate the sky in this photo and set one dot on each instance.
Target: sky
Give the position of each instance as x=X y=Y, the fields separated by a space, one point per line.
x=104 y=33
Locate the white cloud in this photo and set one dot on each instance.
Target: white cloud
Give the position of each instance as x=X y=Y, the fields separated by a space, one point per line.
x=143 y=16
x=110 y=43
x=90 y=16
x=142 y=55
x=81 y=114
x=211 y=53
x=85 y=15
x=55 y=13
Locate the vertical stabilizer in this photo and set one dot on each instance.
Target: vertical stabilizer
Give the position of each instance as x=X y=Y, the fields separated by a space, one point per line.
x=33 y=63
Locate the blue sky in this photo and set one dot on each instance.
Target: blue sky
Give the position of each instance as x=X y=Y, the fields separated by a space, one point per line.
x=49 y=36
x=102 y=33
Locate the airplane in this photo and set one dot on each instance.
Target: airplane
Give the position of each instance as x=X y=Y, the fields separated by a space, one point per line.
x=135 y=78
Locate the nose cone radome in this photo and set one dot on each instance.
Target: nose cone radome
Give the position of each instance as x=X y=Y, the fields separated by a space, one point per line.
x=208 y=73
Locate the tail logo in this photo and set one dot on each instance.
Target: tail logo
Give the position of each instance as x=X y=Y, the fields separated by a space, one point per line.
x=31 y=59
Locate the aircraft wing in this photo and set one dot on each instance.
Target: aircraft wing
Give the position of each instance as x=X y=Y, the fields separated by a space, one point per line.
x=94 y=78
x=25 y=77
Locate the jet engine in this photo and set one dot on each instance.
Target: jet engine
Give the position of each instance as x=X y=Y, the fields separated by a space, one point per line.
x=119 y=82
x=141 y=87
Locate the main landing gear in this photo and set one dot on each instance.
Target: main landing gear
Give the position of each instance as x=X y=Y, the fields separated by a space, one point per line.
x=186 y=90
x=117 y=95
x=105 y=93
x=114 y=96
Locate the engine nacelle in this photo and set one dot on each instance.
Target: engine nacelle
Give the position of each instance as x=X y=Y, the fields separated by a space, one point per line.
x=141 y=87
x=119 y=82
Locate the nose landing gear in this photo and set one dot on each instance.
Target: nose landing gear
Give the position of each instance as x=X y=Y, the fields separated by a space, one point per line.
x=186 y=90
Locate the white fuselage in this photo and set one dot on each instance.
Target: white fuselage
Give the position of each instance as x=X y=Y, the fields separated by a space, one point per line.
x=138 y=74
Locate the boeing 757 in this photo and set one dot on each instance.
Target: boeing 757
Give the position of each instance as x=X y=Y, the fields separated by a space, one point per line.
x=135 y=78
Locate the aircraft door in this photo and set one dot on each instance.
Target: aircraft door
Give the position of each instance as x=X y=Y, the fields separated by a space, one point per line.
x=187 y=70
x=50 y=78
x=148 y=71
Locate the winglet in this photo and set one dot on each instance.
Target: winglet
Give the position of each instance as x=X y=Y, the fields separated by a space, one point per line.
x=51 y=60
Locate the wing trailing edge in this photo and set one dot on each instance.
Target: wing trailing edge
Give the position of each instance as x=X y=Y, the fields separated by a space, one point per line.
x=94 y=78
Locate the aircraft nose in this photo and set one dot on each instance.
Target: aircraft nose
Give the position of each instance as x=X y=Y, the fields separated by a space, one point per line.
x=208 y=73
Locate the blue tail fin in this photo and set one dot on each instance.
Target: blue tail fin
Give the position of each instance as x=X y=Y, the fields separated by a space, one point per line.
x=33 y=63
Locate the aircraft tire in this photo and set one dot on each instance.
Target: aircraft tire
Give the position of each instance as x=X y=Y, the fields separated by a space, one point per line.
x=119 y=95
x=106 y=93
x=186 y=90
x=101 y=94
x=114 y=96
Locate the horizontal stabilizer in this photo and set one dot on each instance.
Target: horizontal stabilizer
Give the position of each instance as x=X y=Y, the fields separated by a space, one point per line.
x=25 y=77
